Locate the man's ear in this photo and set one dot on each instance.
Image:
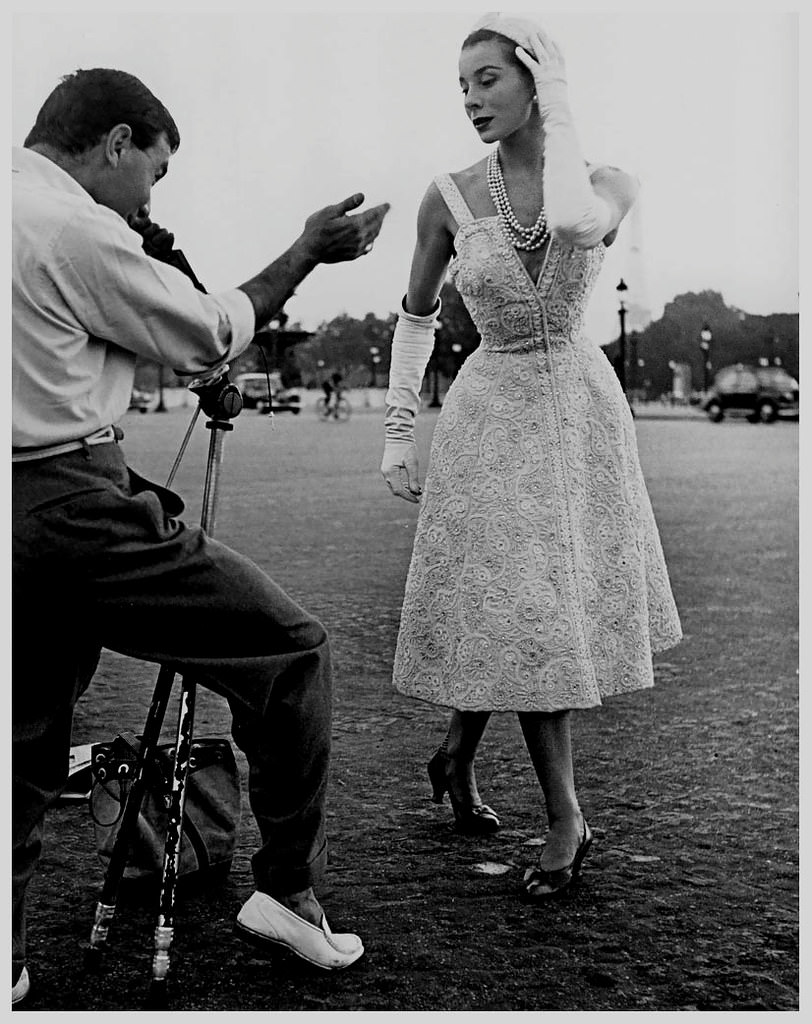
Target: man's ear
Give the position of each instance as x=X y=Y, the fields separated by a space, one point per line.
x=117 y=141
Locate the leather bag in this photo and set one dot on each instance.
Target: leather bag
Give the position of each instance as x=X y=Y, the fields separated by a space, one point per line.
x=211 y=814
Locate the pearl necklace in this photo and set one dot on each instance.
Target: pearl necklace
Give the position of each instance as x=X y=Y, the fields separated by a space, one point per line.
x=522 y=237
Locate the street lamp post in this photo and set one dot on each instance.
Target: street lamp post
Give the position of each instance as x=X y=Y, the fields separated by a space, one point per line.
x=705 y=338
x=375 y=358
x=161 y=406
x=621 y=367
x=435 y=402
x=632 y=381
x=456 y=348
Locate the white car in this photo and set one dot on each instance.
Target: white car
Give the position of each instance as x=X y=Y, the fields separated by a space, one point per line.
x=264 y=392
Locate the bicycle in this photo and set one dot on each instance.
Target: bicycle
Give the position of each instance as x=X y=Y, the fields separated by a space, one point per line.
x=340 y=409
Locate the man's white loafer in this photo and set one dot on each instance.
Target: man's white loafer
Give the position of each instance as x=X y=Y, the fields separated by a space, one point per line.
x=263 y=921
x=21 y=988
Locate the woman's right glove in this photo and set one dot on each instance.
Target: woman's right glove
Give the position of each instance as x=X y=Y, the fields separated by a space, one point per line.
x=412 y=344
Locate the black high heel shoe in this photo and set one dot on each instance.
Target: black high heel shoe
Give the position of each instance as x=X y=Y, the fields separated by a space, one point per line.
x=540 y=885
x=470 y=819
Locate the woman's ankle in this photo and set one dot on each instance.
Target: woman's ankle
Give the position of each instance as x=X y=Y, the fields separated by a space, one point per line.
x=566 y=818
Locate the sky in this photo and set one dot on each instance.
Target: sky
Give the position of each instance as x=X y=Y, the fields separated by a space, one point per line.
x=282 y=113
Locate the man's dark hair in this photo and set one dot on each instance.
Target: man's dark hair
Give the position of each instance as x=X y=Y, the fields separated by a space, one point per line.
x=87 y=104
x=486 y=35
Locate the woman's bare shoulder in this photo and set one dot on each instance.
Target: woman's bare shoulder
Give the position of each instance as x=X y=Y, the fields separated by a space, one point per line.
x=433 y=215
x=433 y=206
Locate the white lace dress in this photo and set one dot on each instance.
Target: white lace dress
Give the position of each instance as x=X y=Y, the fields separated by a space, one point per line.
x=537 y=580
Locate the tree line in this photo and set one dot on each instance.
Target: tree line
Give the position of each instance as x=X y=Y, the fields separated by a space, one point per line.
x=344 y=343
x=359 y=349
x=735 y=337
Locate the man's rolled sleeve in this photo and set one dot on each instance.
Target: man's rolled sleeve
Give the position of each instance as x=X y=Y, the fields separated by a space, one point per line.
x=239 y=312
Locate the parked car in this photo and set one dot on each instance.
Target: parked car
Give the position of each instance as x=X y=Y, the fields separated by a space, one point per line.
x=256 y=394
x=142 y=400
x=761 y=393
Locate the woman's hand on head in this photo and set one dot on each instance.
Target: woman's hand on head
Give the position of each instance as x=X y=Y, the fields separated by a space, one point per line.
x=545 y=62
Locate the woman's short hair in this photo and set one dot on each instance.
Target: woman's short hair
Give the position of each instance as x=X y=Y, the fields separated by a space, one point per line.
x=486 y=35
x=87 y=104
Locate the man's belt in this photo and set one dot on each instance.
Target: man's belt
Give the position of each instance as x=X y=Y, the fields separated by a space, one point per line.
x=106 y=435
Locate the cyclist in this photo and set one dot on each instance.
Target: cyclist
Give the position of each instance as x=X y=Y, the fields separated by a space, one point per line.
x=332 y=395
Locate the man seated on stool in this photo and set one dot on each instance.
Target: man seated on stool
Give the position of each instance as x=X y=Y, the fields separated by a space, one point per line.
x=99 y=557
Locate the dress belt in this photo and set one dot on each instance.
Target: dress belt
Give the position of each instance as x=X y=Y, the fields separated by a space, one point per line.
x=106 y=435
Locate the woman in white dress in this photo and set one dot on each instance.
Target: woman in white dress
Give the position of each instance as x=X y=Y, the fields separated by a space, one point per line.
x=537 y=582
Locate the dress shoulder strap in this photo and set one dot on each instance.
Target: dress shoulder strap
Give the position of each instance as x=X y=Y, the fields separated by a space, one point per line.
x=453 y=198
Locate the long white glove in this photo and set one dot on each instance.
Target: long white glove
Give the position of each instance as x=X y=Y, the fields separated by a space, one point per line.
x=412 y=344
x=575 y=214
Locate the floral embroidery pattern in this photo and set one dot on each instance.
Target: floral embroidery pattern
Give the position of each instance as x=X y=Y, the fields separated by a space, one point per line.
x=537 y=580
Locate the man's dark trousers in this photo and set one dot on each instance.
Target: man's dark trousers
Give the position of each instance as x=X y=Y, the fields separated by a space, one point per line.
x=100 y=561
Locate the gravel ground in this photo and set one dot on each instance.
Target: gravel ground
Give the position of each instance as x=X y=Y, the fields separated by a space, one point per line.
x=689 y=898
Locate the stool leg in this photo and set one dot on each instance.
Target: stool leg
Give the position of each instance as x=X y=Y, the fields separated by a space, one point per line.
x=223 y=410
x=105 y=908
x=164 y=930
x=224 y=407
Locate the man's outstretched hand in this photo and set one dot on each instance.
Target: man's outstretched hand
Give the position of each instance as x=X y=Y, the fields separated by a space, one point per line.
x=333 y=235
